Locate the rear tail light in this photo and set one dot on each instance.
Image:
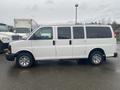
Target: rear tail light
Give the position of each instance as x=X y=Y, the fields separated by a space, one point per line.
x=114 y=34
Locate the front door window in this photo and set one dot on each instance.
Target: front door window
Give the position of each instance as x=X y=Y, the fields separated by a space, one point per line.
x=45 y=33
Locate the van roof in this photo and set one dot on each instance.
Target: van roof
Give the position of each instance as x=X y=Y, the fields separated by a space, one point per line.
x=65 y=25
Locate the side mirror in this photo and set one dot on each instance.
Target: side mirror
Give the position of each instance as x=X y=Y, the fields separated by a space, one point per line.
x=32 y=37
x=24 y=38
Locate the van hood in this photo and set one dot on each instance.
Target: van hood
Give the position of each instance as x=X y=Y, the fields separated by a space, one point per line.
x=16 y=42
x=20 y=44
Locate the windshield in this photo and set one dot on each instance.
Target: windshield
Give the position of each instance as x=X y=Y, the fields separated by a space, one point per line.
x=22 y=30
x=3 y=28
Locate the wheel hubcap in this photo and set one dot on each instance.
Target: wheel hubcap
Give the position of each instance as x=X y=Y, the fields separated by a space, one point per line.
x=24 y=61
x=97 y=59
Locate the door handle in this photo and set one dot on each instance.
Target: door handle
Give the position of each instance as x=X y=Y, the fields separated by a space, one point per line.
x=53 y=42
x=70 y=42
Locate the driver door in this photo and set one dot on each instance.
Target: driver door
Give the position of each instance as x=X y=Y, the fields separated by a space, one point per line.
x=42 y=43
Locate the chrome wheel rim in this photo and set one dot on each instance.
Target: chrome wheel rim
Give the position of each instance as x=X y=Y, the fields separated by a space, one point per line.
x=24 y=61
x=97 y=59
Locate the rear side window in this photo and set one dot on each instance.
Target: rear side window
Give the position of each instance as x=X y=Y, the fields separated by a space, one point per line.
x=78 y=32
x=98 y=32
x=64 y=33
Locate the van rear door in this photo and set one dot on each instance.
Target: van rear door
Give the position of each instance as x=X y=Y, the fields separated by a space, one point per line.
x=63 y=42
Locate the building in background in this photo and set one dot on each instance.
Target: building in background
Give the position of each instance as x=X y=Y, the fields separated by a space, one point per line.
x=24 y=26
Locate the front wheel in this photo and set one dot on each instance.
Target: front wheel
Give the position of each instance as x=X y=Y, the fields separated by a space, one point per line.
x=96 y=58
x=24 y=60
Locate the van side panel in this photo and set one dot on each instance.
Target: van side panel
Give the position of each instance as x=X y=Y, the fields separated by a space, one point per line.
x=107 y=45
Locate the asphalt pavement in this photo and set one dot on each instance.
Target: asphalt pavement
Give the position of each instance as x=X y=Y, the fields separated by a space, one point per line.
x=61 y=75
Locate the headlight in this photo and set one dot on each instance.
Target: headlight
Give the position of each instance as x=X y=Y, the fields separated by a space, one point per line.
x=5 y=39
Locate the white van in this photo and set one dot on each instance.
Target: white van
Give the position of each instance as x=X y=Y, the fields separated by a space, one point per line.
x=95 y=42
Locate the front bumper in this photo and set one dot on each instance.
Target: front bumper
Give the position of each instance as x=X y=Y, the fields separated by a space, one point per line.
x=10 y=57
x=4 y=45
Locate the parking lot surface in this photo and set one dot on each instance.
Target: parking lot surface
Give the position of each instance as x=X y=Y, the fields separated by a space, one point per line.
x=61 y=75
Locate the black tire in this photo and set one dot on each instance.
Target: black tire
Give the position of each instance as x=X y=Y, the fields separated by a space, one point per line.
x=28 y=59
x=96 y=58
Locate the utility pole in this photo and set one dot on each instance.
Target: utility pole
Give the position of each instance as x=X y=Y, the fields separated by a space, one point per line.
x=76 y=12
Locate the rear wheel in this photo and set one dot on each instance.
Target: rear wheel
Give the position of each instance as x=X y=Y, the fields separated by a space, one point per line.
x=24 y=60
x=96 y=58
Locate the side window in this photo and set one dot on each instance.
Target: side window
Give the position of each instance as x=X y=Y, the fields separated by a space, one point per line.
x=44 y=33
x=98 y=32
x=64 y=32
x=78 y=32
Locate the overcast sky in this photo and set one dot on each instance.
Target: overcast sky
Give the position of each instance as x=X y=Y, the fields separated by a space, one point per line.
x=59 y=11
